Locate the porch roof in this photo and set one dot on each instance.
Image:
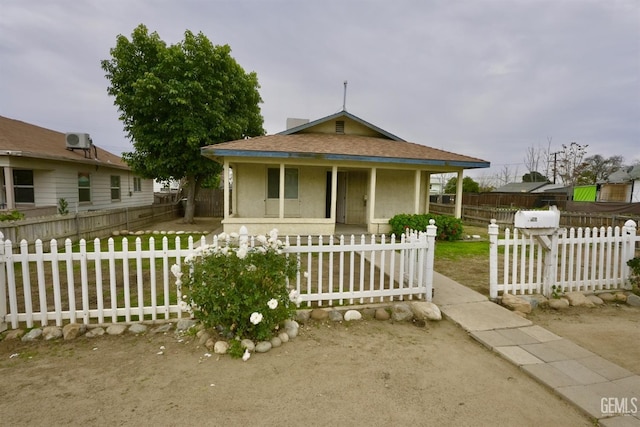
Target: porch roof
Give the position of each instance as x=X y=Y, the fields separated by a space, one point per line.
x=339 y=147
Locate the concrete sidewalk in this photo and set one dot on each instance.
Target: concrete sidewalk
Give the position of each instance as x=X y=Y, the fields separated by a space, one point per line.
x=603 y=390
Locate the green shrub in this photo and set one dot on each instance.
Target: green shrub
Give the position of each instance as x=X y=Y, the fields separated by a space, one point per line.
x=63 y=206
x=11 y=216
x=241 y=290
x=449 y=228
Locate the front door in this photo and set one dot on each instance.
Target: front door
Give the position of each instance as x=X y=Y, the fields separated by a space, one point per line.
x=356 y=200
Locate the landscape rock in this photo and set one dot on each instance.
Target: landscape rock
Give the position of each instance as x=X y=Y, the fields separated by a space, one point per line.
x=275 y=342
x=577 y=299
x=220 y=347
x=381 y=314
x=596 y=300
x=335 y=316
x=351 y=315
x=558 y=303
x=248 y=344
x=14 y=334
x=620 y=297
x=319 y=314
x=284 y=337
x=138 y=328
x=32 y=335
x=72 y=331
x=607 y=296
x=291 y=328
x=116 y=329
x=263 y=347
x=203 y=337
x=210 y=344
x=51 y=333
x=515 y=303
x=95 y=332
x=185 y=324
x=401 y=312
x=425 y=310
x=302 y=316
x=536 y=300
x=633 y=300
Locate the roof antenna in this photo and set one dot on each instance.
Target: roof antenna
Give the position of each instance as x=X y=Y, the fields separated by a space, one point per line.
x=344 y=98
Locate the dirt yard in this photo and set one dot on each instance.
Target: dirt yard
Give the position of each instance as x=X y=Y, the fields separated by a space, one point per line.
x=364 y=373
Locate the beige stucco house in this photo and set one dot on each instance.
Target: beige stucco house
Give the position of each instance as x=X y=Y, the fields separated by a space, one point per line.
x=41 y=166
x=317 y=175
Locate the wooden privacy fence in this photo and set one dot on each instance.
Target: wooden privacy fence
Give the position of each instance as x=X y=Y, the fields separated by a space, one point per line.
x=87 y=285
x=583 y=259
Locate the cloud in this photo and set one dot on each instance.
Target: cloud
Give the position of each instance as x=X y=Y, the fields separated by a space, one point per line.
x=486 y=79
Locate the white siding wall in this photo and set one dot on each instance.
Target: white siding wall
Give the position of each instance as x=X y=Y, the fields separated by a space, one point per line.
x=56 y=180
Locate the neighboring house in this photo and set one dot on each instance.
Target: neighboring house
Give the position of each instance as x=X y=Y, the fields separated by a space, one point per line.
x=39 y=169
x=520 y=187
x=339 y=169
x=621 y=186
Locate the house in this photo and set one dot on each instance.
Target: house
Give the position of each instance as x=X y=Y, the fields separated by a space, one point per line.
x=41 y=166
x=336 y=170
x=621 y=186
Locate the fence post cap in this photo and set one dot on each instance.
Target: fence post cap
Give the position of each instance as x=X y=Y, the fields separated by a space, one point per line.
x=630 y=224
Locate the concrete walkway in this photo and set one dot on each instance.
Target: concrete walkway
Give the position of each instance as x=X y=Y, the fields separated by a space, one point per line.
x=596 y=386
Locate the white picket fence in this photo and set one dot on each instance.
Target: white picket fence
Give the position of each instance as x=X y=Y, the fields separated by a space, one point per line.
x=136 y=284
x=583 y=259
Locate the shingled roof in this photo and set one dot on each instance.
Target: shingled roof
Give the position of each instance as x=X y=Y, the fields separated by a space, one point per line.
x=307 y=144
x=26 y=140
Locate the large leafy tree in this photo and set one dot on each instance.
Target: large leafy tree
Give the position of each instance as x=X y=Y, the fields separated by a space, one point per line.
x=175 y=99
x=468 y=185
x=597 y=168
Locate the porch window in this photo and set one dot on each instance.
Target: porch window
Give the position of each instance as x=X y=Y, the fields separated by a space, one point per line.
x=23 y=186
x=290 y=183
x=115 y=187
x=137 y=184
x=84 y=187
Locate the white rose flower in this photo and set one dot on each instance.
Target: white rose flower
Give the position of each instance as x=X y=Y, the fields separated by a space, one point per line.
x=175 y=269
x=273 y=303
x=255 y=318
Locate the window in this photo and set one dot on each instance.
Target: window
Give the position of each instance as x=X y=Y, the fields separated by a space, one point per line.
x=23 y=186
x=115 y=187
x=137 y=184
x=84 y=187
x=290 y=183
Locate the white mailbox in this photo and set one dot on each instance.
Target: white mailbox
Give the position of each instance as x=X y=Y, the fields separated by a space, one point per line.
x=536 y=220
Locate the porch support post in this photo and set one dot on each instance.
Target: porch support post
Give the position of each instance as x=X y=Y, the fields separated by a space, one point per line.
x=416 y=193
x=225 y=178
x=8 y=185
x=372 y=195
x=281 y=199
x=428 y=192
x=334 y=193
x=459 y=194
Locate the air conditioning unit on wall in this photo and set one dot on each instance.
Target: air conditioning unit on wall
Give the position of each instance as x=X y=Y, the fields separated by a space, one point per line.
x=78 y=140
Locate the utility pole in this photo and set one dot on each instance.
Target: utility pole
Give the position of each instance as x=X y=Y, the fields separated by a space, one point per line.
x=555 y=165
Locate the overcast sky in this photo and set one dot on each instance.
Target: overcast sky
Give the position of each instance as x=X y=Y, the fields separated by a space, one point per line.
x=482 y=78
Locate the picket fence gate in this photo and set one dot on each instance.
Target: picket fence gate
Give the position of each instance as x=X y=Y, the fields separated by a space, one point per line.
x=135 y=285
x=583 y=259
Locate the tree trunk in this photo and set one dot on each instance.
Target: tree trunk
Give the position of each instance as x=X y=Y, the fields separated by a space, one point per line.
x=190 y=208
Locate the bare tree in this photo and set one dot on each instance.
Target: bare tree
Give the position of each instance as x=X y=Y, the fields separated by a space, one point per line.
x=507 y=175
x=569 y=162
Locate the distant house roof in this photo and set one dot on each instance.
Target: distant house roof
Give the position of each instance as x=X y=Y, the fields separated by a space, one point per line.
x=520 y=187
x=22 y=139
x=320 y=140
x=551 y=188
x=623 y=175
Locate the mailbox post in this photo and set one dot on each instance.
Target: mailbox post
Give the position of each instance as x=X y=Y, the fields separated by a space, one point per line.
x=545 y=227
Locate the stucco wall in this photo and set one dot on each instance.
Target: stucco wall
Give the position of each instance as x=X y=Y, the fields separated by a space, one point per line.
x=394 y=192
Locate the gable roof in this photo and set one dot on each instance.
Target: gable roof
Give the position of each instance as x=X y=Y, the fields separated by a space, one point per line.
x=22 y=139
x=309 y=127
x=520 y=187
x=313 y=141
x=623 y=175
